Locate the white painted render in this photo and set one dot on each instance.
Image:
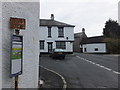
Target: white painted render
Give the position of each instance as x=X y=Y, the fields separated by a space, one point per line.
x=90 y=48
x=20 y=0
x=68 y=32
x=0 y=46
x=30 y=12
x=119 y=12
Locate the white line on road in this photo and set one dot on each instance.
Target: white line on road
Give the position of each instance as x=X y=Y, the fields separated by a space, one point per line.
x=108 y=69
x=101 y=66
x=116 y=72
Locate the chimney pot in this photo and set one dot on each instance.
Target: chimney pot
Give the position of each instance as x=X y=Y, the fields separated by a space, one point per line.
x=52 y=16
x=83 y=29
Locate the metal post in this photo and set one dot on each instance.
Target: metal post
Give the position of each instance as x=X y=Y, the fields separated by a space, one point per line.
x=17 y=77
x=16 y=83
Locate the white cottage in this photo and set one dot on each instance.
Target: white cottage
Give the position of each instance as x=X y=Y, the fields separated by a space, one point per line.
x=93 y=45
x=55 y=34
x=30 y=72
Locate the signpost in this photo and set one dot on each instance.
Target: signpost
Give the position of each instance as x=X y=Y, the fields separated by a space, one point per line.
x=16 y=57
x=17 y=48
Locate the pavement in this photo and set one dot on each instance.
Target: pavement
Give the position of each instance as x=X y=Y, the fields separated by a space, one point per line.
x=50 y=79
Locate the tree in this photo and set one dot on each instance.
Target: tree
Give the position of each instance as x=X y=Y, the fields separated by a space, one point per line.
x=112 y=29
x=113 y=45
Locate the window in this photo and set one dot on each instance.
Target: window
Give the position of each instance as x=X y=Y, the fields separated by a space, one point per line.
x=96 y=49
x=49 y=31
x=60 y=32
x=41 y=44
x=61 y=45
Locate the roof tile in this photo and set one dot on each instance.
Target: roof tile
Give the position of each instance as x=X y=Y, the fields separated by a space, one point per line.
x=49 y=22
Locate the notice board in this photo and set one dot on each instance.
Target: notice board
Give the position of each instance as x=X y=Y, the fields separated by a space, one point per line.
x=16 y=55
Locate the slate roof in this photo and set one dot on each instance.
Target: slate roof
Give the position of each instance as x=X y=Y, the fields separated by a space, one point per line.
x=78 y=34
x=90 y=40
x=49 y=22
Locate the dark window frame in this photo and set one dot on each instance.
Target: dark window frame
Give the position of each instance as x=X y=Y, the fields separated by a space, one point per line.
x=42 y=45
x=60 y=31
x=49 y=32
x=60 y=44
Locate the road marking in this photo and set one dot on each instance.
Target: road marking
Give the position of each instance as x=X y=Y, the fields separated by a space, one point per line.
x=108 y=69
x=101 y=66
x=116 y=72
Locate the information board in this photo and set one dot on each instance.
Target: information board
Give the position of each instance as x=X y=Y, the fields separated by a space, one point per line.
x=16 y=55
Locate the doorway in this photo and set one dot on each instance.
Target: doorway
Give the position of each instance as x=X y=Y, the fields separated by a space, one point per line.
x=50 y=46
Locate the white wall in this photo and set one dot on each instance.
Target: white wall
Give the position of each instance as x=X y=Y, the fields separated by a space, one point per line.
x=119 y=12
x=91 y=48
x=0 y=45
x=29 y=11
x=68 y=32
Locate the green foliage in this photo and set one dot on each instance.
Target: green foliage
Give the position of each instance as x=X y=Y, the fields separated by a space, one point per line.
x=112 y=29
x=113 y=45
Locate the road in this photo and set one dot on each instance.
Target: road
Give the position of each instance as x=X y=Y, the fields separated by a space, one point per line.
x=86 y=70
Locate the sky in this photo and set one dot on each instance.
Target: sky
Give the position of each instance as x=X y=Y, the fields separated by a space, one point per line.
x=88 y=14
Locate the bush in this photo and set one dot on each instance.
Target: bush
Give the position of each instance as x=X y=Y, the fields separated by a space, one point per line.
x=113 y=45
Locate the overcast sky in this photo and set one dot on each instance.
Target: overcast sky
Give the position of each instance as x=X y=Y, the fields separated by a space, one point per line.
x=88 y=14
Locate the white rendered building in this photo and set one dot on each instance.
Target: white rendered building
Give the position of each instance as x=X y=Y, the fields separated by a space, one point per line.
x=30 y=12
x=93 y=45
x=55 y=34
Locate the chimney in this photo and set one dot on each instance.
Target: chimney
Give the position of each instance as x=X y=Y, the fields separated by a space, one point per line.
x=83 y=30
x=52 y=16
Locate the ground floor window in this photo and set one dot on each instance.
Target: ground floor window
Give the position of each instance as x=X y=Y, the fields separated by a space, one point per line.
x=61 y=45
x=41 y=44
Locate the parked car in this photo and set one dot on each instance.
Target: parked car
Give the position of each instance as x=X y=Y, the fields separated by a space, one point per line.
x=58 y=54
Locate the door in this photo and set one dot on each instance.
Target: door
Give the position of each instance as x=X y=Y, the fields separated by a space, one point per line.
x=50 y=47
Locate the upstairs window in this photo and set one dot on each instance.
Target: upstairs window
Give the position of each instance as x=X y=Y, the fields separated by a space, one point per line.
x=61 y=45
x=60 y=32
x=49 y=31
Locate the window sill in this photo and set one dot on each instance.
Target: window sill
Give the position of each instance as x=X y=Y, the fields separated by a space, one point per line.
x=49 y=37
x=60 y=36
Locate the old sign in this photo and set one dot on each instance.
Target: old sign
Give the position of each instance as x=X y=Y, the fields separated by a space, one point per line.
x=17 y=23
x=16 y=55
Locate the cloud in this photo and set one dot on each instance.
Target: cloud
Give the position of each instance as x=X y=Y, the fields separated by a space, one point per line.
x=82 y=13
x=98 y=1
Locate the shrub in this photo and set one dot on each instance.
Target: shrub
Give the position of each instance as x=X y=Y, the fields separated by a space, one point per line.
x=113 y=45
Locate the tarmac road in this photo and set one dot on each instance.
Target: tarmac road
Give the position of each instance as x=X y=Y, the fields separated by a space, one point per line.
x=86 y=70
